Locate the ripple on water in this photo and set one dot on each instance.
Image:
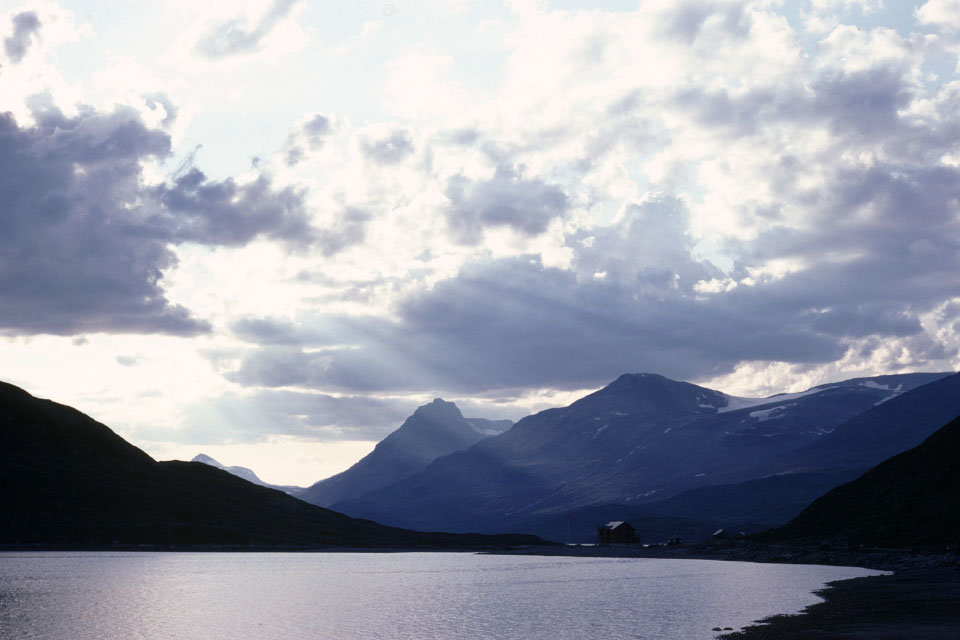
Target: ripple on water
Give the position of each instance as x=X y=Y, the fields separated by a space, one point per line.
x=390 y=595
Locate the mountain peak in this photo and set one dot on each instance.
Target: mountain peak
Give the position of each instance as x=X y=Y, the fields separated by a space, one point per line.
x=435 y=429
x=640 y=378
x=205 y=459
x=439 y=409
x=654 y=392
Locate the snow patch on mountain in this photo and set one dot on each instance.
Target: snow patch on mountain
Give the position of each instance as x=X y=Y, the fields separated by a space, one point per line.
x=771 y=414
x=735 y=403
x=871 y=384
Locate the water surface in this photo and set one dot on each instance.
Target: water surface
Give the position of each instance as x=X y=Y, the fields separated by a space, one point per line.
x=243 y=596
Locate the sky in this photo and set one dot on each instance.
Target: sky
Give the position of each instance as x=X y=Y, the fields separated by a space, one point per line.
x=268 y=230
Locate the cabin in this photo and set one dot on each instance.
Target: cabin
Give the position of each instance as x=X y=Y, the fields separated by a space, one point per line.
x=720 y=534
x=616 y=532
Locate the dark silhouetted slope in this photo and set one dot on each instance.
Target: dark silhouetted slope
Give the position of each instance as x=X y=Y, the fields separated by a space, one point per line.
x=433 y=430
x=910 y=500
x=70 y=480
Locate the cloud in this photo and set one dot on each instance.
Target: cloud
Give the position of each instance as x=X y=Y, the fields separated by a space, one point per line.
x=632 y=299
x=307 y=135
x=940 y=13
x=712 y=209
x=689 y=188
x=526 y=205
x=689 y=18
x=25 y=26
x=195 y=209
x=515 y=324
x=348 y=229
x=160 y=100
x=84 y=243
x=233 y=37
x=388 y=150
x=257 y=416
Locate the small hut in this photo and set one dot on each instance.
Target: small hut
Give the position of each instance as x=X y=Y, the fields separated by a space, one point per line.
x=615 y=532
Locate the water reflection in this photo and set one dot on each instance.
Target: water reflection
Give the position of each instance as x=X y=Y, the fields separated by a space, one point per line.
x=401 y=595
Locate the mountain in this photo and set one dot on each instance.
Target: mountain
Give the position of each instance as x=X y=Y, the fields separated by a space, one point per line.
x=910 y=500
x=641 y=439
x=751 y=506
x=789 y=482
x=69 y=480
x=880 y=432
x=433 y=430
x=246 y=474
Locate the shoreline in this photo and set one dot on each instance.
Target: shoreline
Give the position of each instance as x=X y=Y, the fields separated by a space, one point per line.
x=867 y=558
x=913 y=604
x=918 y=600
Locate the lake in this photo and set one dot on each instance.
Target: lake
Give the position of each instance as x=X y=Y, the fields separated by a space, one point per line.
x=241 y=596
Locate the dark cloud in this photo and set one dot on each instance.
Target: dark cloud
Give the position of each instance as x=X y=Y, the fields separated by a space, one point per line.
x=507 y=199
x=25 y=25
x=515 y=323
x=883 y=247
x=267 y=331
x=311 y=134
x=349 y=229
x=512 y=323
x=233 y=37
x=629 y=302
x=744 y=114
x=389 y=150
x=83 y=244
x=862 y=110
x=862 y=103
x=250 y=418
x=688 y=19
x=465 y=137
x=160 y=99
x=317 y=127
x=195 y=209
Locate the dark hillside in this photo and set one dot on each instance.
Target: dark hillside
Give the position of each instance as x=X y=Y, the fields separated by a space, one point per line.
x=69 y=480
x=910 y=500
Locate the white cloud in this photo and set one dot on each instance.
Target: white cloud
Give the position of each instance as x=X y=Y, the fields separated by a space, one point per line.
x=34 y=73
x=852 y=49
x=219 y=38
x=420 y=87
x=940 y=13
